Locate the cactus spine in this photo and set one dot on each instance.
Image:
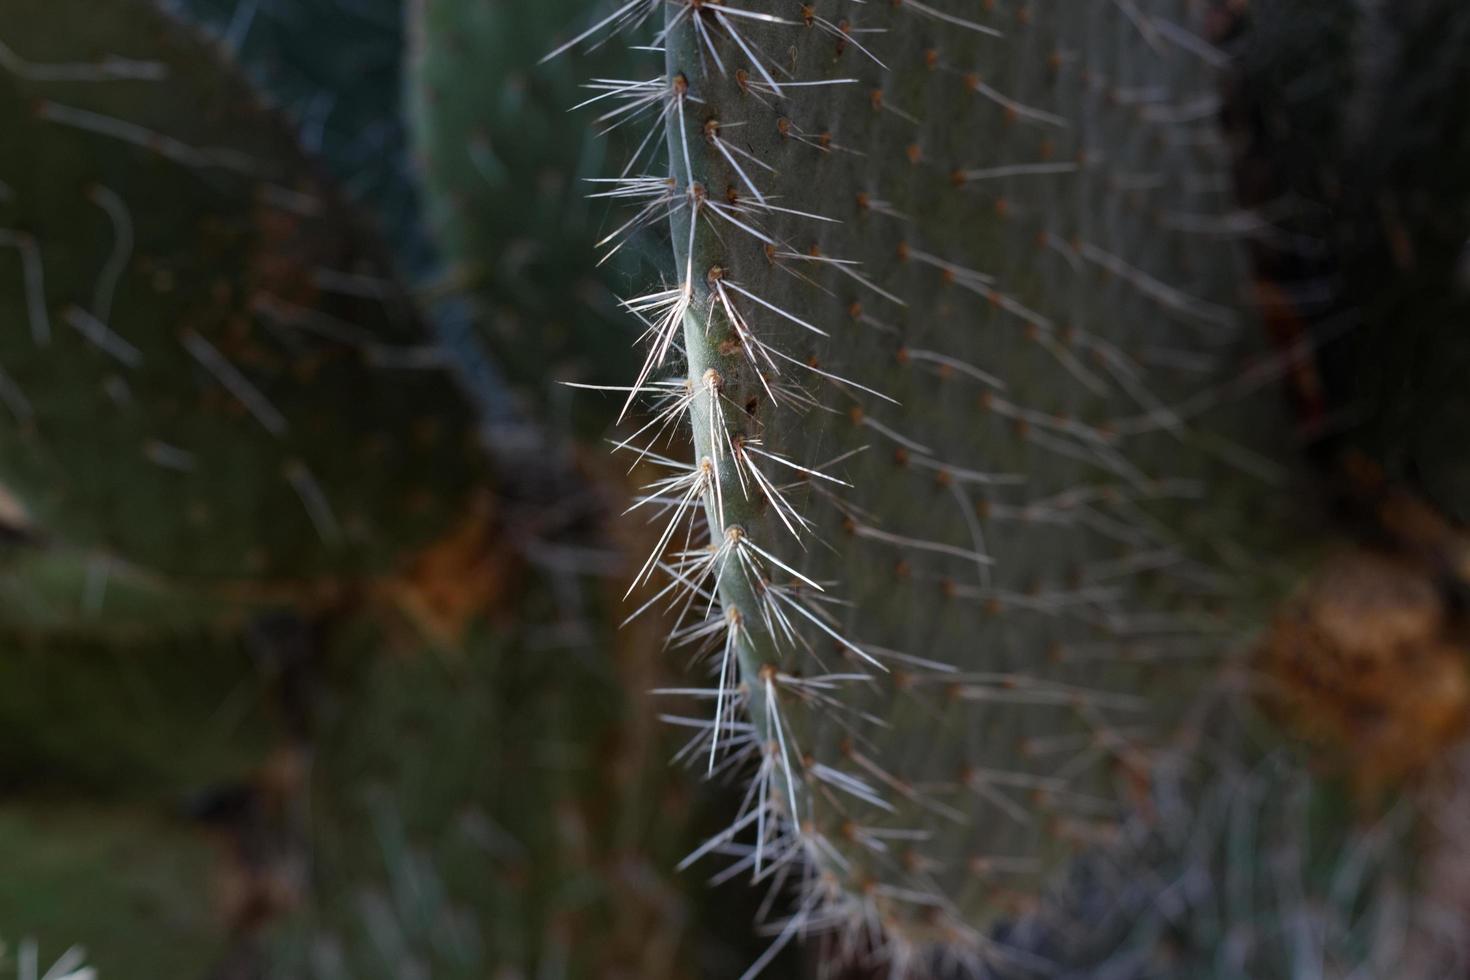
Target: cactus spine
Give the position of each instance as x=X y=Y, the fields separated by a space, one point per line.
x=966 y=341
x=986 y=503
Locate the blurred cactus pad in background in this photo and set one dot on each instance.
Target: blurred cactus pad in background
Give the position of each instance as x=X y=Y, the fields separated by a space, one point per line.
x=729 y=488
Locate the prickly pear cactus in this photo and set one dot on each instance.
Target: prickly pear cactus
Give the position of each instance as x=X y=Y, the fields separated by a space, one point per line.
x=336 y=70
x=1280 y=886
x=213 y=375
x=507 y=173
x=984 y=455
x=148 y=719
x=532 y=834
x=117 y=881
x=1276 y=873
x=49 y=592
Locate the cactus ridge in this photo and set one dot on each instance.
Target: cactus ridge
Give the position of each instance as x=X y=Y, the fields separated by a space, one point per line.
x=968 y=363
x=215 y=376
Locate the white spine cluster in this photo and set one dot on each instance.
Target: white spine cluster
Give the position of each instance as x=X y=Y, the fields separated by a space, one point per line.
x=745 y=526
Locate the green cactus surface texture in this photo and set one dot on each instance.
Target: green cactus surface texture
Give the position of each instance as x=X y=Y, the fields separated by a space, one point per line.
x=148 y=719
x=123 y=883
x=532 y=831
x=213 y=374
x=986 y=456
x=1276 y=873
x=343 y=95
x=47 y=591
x=1278 y=885
x=1040 y=427
x=508 y=172
x=491 y=857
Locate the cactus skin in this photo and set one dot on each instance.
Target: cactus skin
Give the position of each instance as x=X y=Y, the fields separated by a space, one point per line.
x=1268 y=879
x=55 y=593
x=1292 y=887
x=219 y=390
x=1281 y=870
x=506 y=809
x=502 y=690
x=344 y=96
x=144 y=719
x=1050 y=206
x=1229 y=924
x=121 y=882
x=341 y=402
x=475 y=843
x=505 y=170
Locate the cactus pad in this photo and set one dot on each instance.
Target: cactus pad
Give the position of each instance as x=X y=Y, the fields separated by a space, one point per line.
x=213 y=375
x=128 y=887
x=507 y=172
x=984 y=436
x=505 y=809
